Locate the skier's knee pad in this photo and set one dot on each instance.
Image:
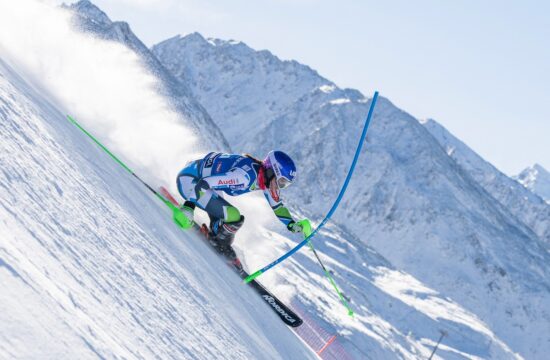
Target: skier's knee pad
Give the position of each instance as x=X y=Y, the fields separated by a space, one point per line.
x=231 y=214
x=236 y=225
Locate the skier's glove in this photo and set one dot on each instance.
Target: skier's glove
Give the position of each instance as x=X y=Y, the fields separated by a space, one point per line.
x=303 y=226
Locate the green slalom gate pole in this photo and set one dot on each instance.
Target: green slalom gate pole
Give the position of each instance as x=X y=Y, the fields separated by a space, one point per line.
x=178 y=216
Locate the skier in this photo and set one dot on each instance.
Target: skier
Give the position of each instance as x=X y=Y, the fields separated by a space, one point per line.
x=202 y=182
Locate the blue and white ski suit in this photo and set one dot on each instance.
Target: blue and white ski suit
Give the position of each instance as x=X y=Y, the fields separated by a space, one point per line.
x=203 y=181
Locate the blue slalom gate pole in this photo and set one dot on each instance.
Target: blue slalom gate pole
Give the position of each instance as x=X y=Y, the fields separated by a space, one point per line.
x=251 y=277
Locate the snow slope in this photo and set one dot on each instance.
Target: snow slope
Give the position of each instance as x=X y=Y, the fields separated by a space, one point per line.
x=536 y=179
x=91 y=264
x=409 y=199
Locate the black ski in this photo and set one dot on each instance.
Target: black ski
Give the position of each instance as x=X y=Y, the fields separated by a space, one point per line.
x=287 y=315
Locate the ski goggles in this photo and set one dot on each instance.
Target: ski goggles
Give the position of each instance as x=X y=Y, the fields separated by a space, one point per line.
x=283 y=182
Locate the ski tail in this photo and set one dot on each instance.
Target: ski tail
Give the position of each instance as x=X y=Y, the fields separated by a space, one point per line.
x=164 y=192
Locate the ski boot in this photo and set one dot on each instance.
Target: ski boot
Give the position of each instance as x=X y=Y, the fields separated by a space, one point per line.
x=221 y=236
x=238 y=266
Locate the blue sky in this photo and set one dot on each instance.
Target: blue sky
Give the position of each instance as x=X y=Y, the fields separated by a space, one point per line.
x=480 y=68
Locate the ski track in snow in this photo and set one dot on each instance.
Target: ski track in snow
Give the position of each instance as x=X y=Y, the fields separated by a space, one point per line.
x=90 y=277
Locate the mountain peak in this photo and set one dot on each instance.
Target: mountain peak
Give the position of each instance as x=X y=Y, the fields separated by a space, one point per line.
x=86 y=9
x=220 y=42
x=267 y=84
x=540 y=168
x=194 y=36
x=537 y=179
x=235 y=49
x=198 y=39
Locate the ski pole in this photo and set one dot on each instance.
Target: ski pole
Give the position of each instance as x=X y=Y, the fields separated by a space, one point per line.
x=332 y=282
x=334 y=206
x=176 y=212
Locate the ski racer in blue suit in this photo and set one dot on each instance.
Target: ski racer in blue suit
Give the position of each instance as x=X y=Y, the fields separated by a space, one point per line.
x=203 y=182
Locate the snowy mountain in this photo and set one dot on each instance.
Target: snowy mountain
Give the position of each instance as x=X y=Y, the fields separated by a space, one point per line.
x=254 y=85
x=522 y=204
x=537 y=180
x=416 y=205
x=91 y=19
